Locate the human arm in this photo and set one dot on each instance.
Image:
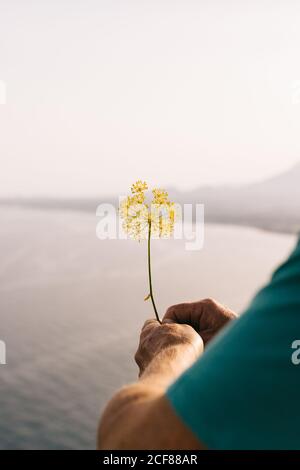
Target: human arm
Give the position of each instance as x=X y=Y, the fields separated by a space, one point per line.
x=139 y=415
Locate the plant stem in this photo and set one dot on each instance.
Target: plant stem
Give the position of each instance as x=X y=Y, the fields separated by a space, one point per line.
x=149 y=272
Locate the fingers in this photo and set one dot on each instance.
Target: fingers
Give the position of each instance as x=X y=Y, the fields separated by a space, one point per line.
x=180 y=313
x=206 y=314
x=185 y=312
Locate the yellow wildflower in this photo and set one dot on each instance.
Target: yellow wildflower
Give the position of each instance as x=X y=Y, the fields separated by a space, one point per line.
x=141 y=220
x=137 y=215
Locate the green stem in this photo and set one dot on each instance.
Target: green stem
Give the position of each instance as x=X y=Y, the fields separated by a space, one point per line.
x=149 y=272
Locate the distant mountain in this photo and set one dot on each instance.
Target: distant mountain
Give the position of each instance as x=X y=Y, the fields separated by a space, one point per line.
x=289 y=180
x=273 y=204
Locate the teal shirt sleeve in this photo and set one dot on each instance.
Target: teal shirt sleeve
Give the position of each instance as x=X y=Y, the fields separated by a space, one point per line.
x=244 y=392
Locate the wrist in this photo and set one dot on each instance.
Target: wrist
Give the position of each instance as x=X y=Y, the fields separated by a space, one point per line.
x=171 y=362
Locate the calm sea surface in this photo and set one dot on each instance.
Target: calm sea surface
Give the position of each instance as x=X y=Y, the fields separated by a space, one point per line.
x=71 y=308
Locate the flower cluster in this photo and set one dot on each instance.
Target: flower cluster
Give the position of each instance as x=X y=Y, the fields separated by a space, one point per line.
x=139 y=187
x=141 y=219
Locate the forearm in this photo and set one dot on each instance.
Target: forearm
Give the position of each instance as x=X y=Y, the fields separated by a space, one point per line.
x=130 y=416
x=168 y=365
x=125 y=415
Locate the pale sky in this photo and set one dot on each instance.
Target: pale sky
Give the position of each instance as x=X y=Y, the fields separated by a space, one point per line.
x=180 y=93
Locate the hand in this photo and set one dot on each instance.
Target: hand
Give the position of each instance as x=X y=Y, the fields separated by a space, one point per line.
x=206 y=316
x=168 y=338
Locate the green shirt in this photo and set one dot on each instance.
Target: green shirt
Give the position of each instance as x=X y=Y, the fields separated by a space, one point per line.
x=244 y=392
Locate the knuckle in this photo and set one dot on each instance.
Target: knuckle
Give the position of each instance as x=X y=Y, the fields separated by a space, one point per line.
x=209 y=301
x=167 y=327
x=151 y=323
x=145 y=333
x=171 y=330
